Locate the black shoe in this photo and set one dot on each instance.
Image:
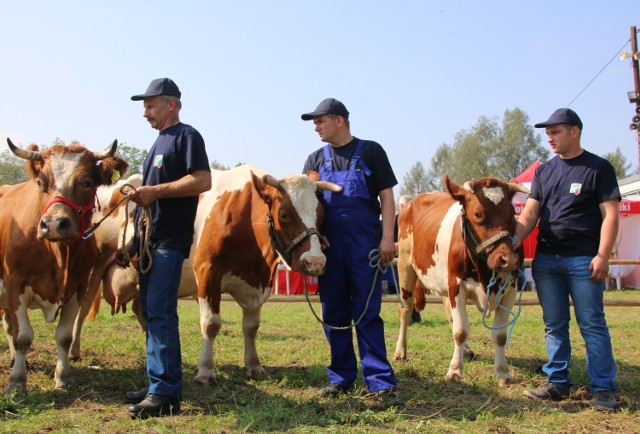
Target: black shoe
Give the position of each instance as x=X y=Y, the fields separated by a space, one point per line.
x=154 y=406
x=136 y=396
x=548 y=392
x=605 y=400
x=387 y=397
x=334 y=390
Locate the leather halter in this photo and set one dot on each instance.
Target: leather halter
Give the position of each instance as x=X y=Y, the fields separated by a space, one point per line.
x=82 y=211
x=479 y=248
x=278 y=245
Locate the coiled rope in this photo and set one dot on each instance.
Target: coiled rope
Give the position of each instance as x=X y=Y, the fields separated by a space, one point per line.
x=374 y=262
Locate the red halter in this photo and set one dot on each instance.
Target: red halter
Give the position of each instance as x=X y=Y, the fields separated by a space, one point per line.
x=82 y=212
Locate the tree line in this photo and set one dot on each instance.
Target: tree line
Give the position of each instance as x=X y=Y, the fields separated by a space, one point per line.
x=488 y=148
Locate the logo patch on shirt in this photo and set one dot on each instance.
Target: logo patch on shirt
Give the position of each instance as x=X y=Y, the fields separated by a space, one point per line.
x=575 y=188
x=158 y=161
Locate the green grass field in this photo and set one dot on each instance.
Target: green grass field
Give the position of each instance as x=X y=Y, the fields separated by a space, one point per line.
x=293 y=349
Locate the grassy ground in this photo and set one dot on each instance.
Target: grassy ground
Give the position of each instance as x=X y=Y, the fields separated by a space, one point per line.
x=294 y=351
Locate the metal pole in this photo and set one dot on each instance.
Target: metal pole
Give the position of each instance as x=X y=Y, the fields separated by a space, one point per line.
x=636 y=79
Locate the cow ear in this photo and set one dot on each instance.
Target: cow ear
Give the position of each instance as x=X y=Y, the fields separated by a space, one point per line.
x=108 y=166
x=453 y=189
x=33 y=167
x=262 y=187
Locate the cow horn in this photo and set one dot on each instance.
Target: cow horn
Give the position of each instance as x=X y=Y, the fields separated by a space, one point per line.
x=23 y=153
x=109 y=153
x=468 y=186
x=270 y=180
x=513 y=186
x=329 y=186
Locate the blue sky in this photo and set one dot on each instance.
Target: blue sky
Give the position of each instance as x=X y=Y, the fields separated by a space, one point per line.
x=412 y=73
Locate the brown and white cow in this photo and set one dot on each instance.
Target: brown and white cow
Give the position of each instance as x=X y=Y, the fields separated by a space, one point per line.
x=246 y=223
x=45 y=260
x=451 y=244
x=111 y=220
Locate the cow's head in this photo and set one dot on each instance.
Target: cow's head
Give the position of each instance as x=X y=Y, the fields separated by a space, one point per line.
x=67 y=178
x=294 y=215
x=489 y=220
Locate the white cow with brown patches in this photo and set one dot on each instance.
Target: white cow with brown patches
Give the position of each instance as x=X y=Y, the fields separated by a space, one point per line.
x=451 y=244
x=45 y=262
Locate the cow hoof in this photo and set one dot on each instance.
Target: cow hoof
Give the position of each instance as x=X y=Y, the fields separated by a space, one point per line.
x=17 y=388
x=503 y=382
x=401 y=357
x=453 y=377
x=256 y=373
x=63 y=383
x=206 y=379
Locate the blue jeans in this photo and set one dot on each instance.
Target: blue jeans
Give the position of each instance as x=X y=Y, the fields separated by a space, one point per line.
x=557 y=278
x=159 y=304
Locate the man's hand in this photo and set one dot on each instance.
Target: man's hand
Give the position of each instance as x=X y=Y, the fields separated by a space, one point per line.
x=599 y=268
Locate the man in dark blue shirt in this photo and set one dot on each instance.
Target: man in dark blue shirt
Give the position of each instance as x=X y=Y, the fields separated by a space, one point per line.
x=574 y=200
x=175 y=172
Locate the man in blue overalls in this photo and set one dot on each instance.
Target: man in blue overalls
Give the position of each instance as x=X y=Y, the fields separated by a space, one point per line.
x=352 y=229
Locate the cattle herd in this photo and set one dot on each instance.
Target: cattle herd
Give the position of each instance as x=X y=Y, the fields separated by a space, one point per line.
x=59 y=232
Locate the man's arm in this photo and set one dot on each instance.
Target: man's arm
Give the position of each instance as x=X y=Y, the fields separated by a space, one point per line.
x=189 y=185
x=608 y=231
x=388 y=209
x=526 y=221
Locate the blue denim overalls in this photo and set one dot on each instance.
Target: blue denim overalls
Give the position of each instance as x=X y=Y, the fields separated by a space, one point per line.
x=353 y=229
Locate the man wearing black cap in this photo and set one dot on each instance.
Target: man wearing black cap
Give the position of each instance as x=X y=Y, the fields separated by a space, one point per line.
x=176 y=170
x=353 y=230
x=575 y=197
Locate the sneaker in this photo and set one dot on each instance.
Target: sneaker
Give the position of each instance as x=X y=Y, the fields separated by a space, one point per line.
x=548 y=391
x=605 y=400
x=387 y=397
x=334 y=390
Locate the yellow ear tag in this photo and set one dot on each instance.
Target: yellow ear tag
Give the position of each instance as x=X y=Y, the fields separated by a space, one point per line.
x=115 y=175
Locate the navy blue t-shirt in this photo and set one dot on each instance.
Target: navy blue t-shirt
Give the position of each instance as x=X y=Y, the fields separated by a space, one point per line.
x=374 y=157
x=178 y=151
x=570 y=192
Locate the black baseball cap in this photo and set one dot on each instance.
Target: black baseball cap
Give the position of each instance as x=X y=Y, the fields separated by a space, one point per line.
x=329 y=106
x=159 y=86
x=562 y=116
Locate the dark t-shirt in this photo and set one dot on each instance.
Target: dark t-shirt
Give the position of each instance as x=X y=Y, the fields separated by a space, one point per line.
x=570 y=192
x=178 y=151
x=373 y=156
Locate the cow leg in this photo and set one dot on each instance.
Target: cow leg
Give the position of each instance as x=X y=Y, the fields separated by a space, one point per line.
x=6 y=325
x=467 y=353
x=210 y=324
x=407 y=279
x=460 y=329
x=21 y=339
x=499 y=337
x=64 y=335
x=88 y=300
x=250 y=325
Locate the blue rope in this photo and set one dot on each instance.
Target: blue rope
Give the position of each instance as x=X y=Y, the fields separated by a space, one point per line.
x=374 y=261
x=511 y=323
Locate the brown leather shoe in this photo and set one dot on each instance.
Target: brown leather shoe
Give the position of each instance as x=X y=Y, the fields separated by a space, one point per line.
x=154 y=406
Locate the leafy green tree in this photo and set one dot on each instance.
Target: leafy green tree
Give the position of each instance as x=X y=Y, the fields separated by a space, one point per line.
x=619 y=163
x=415 y=182
x=488 y=149
x=132 y=155
x=11 y=168
x=216 y=165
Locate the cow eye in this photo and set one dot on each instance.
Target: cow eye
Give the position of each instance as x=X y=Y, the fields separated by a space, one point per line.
x=283 y=215
x=87 y=184
x=40 y=184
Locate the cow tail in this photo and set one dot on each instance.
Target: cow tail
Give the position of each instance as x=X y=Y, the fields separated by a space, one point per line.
x=95 y=306
x=418 y=297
